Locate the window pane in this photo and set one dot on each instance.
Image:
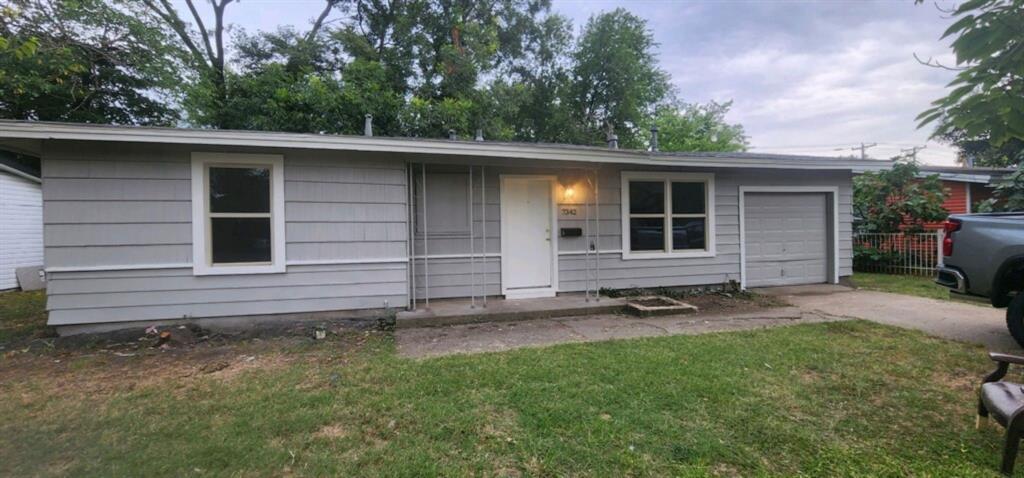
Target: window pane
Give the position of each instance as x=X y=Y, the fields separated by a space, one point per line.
x=646 y=197
x=238 y=239
x=688 y=198
x=239 y=189
x=688 y=233
x=646 y=234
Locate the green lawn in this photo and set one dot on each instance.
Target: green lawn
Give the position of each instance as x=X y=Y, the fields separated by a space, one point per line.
x=22 y=315
x=899 y=284
x=836 y=399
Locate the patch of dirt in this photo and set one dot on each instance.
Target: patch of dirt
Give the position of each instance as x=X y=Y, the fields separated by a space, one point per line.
x=711 y=300
x=103 y=367
x=332 y=431
x=723 y=302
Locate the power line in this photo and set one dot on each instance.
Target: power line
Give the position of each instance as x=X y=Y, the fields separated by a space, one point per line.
x=912 y=151
x=863 y=149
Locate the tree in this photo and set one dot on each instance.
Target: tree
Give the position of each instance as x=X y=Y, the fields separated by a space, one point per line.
x=897 y=200
x=987 y=100
x=1008 y=195
x=616 y=82
x=695 y=127
x=206 y=49
x=979 y=151
x=89 y=61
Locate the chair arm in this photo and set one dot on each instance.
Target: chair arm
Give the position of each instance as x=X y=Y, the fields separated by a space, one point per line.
x=1003 y=361
x=1000 y=357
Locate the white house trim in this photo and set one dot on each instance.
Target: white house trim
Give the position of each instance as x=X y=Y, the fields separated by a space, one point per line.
x=189 y=265
x=709 y=213
x=200 y=235
x=834 y=206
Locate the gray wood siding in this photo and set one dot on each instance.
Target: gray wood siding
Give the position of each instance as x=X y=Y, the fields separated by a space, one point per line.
x=615 y=271
x=112 y=205
x=451 y=277
x=128 y=206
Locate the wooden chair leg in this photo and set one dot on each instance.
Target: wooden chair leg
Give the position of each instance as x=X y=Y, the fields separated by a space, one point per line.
x=1010 y=451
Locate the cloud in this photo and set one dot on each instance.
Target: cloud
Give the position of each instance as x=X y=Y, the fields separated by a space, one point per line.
x=805 y=77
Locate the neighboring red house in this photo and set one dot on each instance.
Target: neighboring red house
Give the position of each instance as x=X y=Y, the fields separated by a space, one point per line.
x=965 y=187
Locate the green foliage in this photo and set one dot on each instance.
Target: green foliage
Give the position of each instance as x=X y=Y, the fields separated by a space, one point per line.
x=694 y=127
x=616 y=81
x=88 y=61
x=871 y=258
x=979 y=151
x=987 y=97
x=1008 y=195
x=422 y=67
x=897 y=200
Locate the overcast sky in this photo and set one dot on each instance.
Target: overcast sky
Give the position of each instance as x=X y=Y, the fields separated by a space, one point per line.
x=811 y=77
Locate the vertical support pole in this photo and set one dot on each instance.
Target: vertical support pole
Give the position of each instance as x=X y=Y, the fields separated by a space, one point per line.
x=410 y=179
x=483 y=219
x=597 y=243
x=472 y=246
x=426 y=248
x=586 y=243
x=940 y=235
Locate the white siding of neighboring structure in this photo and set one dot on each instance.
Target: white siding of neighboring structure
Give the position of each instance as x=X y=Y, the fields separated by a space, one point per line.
x=21 y=227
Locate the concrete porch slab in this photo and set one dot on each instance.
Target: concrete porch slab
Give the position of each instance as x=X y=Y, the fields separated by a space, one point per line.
x=460 y=311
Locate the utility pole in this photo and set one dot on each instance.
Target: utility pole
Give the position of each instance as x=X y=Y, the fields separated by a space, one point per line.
x=863 y=149
x=912 y=152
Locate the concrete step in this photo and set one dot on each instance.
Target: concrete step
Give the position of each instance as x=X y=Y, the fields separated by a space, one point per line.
x=461 y=311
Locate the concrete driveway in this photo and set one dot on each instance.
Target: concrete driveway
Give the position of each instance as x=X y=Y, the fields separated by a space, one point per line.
x=952 y=320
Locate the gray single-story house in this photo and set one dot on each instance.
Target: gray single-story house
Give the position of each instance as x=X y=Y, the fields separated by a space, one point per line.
x=154 y=224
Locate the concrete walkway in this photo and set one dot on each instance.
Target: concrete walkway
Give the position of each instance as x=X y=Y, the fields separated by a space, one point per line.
x=951 y=320
x=497 y=336
x=965 y=322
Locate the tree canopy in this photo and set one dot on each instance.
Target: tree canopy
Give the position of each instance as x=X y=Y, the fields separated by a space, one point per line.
x=983 y=114
x=510 y=68
x=89 y=61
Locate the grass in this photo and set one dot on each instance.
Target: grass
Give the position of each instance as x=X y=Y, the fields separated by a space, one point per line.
x=22 y=315
x=900 y=284
x=834 y=399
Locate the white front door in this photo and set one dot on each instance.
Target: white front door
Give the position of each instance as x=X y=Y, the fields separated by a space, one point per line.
x=527 y=242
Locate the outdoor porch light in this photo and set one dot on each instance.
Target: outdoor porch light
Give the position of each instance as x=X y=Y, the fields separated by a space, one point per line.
x=570 y=192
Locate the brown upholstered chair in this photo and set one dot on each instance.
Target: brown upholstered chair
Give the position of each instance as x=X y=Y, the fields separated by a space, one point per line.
x=1005 y=402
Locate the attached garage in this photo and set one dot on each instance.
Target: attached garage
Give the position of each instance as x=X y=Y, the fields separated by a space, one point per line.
x=788 y=236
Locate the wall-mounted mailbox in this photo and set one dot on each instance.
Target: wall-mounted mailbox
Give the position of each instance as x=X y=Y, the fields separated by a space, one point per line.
x=571 y=232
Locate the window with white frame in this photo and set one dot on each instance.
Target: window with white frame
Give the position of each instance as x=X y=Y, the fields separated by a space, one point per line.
x=237 y=213
x=667 y=215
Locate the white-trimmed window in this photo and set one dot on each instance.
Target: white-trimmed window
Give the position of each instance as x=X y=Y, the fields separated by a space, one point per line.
x=237 y=213
x=668 y=215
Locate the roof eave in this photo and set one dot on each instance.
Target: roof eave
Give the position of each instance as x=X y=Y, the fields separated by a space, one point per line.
x=85 y=132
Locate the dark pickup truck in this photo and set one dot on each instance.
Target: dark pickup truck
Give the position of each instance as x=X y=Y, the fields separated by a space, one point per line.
x=983 y=255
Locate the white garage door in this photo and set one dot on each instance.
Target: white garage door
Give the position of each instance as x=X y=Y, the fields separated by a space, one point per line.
x=786 y=238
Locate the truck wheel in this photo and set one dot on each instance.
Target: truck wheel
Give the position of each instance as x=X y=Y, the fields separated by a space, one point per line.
x=1015 y=318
